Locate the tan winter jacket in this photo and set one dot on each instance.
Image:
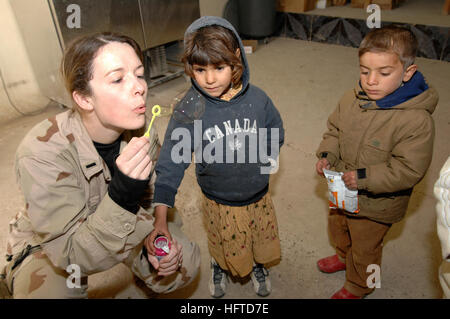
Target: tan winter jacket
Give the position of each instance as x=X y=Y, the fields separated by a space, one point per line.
x=393 y=145
x=68 y=210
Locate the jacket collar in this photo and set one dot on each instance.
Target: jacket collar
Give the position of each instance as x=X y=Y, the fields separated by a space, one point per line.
x=90 y=161
x=407 y=91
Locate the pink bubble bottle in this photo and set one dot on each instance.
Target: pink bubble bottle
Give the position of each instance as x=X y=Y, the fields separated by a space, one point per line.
x=162 y=246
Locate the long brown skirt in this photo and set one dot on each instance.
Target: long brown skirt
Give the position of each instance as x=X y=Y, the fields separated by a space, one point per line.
x=239 y=236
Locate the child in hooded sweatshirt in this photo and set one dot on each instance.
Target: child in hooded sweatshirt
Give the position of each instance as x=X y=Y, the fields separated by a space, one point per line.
x=235 y=132
x=381 y=136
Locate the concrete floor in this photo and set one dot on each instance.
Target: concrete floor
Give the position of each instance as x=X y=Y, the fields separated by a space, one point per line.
x=305 y=81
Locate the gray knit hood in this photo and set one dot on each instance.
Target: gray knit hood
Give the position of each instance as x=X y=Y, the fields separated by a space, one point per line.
x=209 y=21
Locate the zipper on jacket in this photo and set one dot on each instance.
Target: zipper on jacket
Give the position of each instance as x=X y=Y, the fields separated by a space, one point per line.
x=361 y=142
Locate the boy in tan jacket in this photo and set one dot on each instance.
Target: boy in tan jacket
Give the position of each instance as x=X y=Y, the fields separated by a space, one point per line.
x=381 y=136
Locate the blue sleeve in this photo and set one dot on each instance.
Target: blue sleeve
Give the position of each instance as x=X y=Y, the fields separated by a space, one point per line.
x=273 y=121
x=175 y=157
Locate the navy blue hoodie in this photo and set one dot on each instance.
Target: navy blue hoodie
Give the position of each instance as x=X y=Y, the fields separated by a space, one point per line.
x=232 y=148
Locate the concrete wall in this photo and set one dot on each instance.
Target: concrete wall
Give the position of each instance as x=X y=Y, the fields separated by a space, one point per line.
x=17 y=76
x=42 y=45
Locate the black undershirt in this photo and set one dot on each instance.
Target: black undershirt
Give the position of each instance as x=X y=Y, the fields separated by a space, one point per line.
x=123 y=190
x=109 y=152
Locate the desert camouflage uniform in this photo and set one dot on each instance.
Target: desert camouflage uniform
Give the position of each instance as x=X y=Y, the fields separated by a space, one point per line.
x=69 y=218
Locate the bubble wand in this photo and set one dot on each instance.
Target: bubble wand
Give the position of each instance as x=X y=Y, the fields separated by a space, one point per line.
x=156 y=111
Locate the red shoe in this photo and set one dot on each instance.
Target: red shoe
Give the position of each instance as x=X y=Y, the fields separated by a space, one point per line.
x=344 y=294
x=330 y=264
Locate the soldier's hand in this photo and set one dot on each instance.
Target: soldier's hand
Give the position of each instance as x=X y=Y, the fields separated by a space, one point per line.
x=170 y=263
x=134 y=160
x=321 y=164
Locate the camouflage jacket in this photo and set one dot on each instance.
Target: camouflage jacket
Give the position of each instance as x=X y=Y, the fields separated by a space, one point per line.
x=68 y=211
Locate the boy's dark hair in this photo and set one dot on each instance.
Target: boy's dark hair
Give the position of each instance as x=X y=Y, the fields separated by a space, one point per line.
x=392 y=38
x=213 y=45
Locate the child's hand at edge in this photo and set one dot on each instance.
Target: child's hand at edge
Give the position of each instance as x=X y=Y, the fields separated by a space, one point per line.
x=160 y=227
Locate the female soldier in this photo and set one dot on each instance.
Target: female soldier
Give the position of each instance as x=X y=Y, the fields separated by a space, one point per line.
x=86 y=175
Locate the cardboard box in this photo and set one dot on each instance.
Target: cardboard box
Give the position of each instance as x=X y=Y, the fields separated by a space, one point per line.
x=339 y=2
x=384 y=4
x=250 y=46
x=360 y=3
x=446 y=8
x=296 y=6
x=322 y=4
